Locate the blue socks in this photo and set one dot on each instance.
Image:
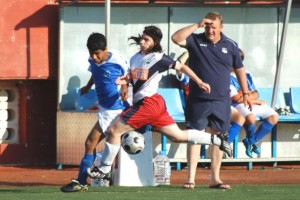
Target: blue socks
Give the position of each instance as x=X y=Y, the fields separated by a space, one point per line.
x=249 y=130
x=86 y=162
x=263 y=130
x=234 y=131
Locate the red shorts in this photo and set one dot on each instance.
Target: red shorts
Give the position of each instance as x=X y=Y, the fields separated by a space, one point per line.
x=148 y=111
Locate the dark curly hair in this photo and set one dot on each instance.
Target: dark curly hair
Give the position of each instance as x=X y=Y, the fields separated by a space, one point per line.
x=152 y=31
x=96 y=41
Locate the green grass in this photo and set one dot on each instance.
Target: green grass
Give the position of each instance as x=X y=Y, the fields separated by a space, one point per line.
x=174 y=192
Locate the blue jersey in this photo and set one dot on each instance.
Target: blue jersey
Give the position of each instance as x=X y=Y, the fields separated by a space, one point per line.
x=104 y=76
x=184 y=79
x=212 y=63
x=235 y=86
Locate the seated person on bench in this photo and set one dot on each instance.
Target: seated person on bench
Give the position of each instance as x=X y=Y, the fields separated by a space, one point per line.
x=259 y=109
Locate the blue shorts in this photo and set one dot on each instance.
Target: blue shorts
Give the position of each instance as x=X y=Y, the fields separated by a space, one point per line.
x=201 y=114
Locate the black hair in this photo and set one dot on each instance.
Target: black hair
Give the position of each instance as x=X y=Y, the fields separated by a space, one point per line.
x=152 y=31
x=136 y=39
x=96 y=41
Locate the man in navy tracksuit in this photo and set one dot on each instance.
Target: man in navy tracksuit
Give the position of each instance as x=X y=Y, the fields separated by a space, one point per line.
x=211 y=57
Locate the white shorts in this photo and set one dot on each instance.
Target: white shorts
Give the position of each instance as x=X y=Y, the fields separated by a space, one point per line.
x=263 y=111
x=106 y=116
x=233 y=109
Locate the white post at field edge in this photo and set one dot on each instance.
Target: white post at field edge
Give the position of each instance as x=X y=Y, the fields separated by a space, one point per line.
x=107 y=21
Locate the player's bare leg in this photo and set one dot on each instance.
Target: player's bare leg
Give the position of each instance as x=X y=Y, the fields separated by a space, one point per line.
x=112 y=146
x=80 y=184
x=95 y=136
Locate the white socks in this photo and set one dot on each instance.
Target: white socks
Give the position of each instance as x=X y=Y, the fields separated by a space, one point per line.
x=201 y=137
x=108 y=156
x=194 y=137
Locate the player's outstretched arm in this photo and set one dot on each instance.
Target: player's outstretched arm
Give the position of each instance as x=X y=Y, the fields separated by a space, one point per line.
x=122 y=80
x=87 y=87
x=186 y=70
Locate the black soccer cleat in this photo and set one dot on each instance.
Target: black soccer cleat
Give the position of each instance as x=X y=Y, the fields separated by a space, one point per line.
x=225 y=146
x=74 y=186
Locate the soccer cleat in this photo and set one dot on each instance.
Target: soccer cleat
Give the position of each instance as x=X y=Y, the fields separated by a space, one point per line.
x=248 y=146
x=225 y=146
x=95 y=172
x=74 y=186
x=255 y=149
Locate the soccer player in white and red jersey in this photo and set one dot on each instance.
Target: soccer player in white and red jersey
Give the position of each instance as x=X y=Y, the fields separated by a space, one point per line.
x=148 y=106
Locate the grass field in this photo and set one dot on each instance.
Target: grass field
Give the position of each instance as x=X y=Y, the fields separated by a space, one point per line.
x=173 y=192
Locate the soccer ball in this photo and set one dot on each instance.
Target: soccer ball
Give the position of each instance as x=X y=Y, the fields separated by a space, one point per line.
x=133 y=142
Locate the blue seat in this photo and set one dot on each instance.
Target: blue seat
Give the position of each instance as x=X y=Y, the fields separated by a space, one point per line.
x=295 y=99
x=173 y=101
x=266 y=94
x=88 y=100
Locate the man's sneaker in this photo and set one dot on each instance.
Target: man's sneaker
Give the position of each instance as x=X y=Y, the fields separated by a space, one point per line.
x=225 y=146
x=74 y=186
x=95 y=172
x=255 y=149
x=248 y=146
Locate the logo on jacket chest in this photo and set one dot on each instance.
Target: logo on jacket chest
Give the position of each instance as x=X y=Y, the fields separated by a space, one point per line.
x=224 y=50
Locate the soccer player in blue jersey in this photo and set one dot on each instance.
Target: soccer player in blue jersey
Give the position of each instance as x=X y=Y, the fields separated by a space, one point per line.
x=259 y=109
x=149 y=107
x=105 y=66
x=211 y=57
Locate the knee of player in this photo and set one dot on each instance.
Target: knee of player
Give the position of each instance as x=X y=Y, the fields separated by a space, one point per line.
x=240 y=120
x=175 y=139
x=273 y=119
x=89 y=144
x=251 y=118
x=116 y=130
x=111 y=131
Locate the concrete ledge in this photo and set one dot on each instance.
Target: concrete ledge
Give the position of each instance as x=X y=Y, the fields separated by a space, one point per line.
x=236 y=160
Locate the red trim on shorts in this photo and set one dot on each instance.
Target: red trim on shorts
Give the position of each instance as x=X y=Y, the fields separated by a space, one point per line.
x=148 y=111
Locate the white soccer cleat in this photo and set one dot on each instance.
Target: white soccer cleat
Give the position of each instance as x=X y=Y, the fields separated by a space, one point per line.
x=95 y=172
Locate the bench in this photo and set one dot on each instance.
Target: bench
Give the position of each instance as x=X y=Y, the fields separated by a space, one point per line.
x=266 y=94
x=174 y=102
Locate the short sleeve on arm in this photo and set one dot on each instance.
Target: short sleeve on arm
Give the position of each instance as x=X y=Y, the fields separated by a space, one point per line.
x=167 y=63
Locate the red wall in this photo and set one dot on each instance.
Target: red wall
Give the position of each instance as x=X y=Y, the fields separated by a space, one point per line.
x=29 y=53
x=28 y=39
